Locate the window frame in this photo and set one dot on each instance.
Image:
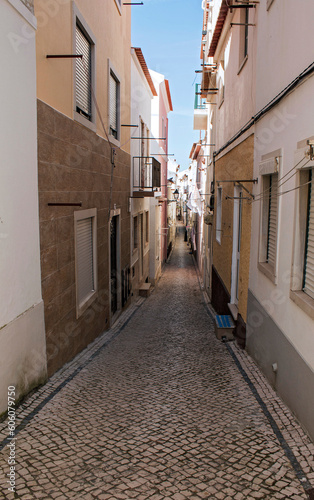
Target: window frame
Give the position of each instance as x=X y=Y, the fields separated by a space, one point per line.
x=112 y=72
x=78 y=20
x=219 y=215
x=269 y=167
x=85 y=303
x=119 y=5
x=297 y=293
x=146 y=227
x=135 y=233
x=244 y=38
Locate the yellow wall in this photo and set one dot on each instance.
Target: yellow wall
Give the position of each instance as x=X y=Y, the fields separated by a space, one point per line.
x=113 y=41
x=237 y=164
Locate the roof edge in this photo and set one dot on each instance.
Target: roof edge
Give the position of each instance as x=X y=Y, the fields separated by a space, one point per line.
x=141 y=60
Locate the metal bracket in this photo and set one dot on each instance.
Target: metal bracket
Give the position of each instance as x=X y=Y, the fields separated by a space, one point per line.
x=60 y=204
x=64 y=56
x=311 y=152
x=246 y=190
x=242 y=24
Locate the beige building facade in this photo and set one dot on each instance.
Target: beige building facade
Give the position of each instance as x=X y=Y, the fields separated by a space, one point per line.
x=83 y=90
x=224 y=104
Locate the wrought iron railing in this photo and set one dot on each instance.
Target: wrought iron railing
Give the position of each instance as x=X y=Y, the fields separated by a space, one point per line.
x=146 y=173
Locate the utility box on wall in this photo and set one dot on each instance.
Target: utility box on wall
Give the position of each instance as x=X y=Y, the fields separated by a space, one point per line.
x=224 y=327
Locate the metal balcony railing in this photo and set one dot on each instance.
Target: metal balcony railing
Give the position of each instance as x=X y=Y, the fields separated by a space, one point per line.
x=199 y=102
x=146 y=174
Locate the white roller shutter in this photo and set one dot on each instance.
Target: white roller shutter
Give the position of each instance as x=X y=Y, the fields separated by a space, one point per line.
x=85 y=261
x=113 y=98
x=272 y=220
x=309 y=254
x=83 y=75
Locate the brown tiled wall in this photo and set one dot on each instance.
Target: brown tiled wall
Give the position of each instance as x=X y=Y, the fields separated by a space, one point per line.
x=74 y=166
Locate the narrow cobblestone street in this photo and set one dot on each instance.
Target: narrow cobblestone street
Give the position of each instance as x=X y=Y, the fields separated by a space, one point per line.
x=158 y=408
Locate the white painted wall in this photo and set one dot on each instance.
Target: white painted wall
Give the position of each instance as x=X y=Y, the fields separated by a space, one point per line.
x=285 y=45
x=286 y=335
x=20 y=287
x=297 y=124
x=239 y=102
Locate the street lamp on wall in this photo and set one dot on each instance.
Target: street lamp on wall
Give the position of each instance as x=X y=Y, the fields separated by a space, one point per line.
x=176 y=195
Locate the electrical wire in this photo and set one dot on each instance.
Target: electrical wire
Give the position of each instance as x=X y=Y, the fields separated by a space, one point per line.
x=283 y=177
x=264 y=193
x=283 y=93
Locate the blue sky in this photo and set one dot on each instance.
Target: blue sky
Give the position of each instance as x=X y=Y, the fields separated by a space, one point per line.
x=169 y=34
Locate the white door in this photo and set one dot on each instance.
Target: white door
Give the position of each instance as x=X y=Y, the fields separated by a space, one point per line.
x=236 y=244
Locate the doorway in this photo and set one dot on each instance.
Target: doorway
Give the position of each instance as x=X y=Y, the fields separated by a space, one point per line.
x=115 y=264
x=141 y=249
x=236 y=244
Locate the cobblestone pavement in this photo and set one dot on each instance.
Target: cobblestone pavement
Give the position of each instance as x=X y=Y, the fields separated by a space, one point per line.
x=158 y=408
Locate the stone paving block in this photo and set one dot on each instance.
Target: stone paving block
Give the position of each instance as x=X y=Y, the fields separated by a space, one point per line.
x=159 y=413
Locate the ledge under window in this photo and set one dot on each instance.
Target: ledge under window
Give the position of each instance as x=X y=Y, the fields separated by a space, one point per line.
x=304 y=301
x=268 y=271
x=118 y=4
x=84 y=121
x=242 y=64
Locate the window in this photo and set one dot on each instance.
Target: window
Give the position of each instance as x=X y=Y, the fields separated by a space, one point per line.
x=302 y=274
x=114 y=105
x=135 y=232
x=83 y=70
x=85 y=227
x=219 y=214
x=244 y=35
x=269 y=218
x=146 y=227
x=308 y=272
x=83 y=94
x=270 y=215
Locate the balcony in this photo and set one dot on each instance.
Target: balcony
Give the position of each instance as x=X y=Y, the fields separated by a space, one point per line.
x=146 y=176
x=200 y=110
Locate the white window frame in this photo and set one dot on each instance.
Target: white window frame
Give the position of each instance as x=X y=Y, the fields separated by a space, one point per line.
x=244 y=33
x=112 y=71
x=297 y=294
x=146 y=223
x=268 y=167
x=219 y=215
x=82 y=305
x=135 y=232
x=79 y=20
x=119 y=5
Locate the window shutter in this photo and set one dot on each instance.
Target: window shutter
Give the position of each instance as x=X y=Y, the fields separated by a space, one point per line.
x=85 y=261
x=83 y=75
x=272 y=220
x=309 y=254
x=113 y=105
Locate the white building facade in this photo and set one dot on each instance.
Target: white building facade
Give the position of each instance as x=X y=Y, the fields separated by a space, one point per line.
x=22 y=330
x=280 y=333
x=143 y=204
